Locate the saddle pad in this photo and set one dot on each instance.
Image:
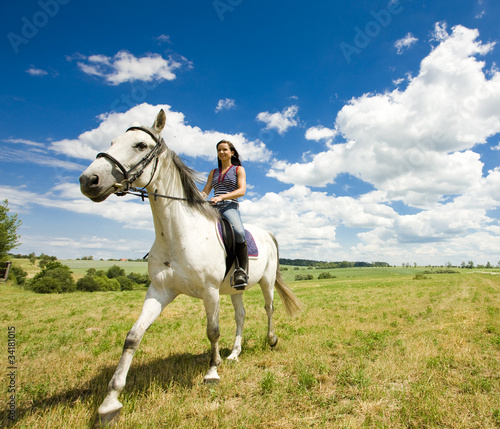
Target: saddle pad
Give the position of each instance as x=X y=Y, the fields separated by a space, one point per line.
x=253 y=251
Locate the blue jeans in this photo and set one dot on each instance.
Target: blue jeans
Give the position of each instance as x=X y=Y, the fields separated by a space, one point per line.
x=229 y=209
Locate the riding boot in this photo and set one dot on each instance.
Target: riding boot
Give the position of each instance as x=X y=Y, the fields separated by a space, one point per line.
x=241 y=272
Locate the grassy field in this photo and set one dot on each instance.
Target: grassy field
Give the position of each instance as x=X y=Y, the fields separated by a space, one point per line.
x=373 y=348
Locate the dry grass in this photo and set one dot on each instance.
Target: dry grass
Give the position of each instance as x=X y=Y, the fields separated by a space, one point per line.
x=370 y=350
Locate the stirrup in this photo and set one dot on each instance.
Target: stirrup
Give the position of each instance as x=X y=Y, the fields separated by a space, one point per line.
x=240 y=286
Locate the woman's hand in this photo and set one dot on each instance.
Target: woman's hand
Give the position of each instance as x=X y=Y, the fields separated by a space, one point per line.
x=216 y=200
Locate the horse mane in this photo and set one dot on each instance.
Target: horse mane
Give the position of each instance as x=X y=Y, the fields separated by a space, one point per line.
x=189 y=178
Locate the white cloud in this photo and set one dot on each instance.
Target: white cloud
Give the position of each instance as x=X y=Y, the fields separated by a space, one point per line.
x=321 y=133
x=225 y=104
x=36 y=154
x=128 y=210
x=280 y=121
x=406 y=42
x=440 y=33
x=36 y=72
x=125 y=67
x=179 y=136
x=163 y=38
x=24 y=141
x=480 y=15
x=415 y=145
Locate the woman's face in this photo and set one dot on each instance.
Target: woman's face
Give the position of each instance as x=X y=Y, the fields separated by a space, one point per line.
x=224 y=151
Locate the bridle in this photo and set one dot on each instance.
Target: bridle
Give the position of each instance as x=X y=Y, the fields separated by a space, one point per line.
x=130 y=178
x=125 y=186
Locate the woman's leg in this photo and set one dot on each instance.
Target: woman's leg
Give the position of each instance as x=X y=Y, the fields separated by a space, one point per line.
x=232 y=214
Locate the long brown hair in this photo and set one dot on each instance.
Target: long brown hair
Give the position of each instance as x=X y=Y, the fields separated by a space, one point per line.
x=235 y=157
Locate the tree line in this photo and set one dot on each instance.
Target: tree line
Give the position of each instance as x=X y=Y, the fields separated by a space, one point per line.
x=330 y=265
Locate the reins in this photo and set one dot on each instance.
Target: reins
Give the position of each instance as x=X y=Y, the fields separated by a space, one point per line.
x=144 y=194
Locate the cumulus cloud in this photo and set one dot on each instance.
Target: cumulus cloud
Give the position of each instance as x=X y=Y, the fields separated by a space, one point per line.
x=280 y=121
x=125 y=67
x=225 y=104
x=179 y=136
x=415 y=144
x=440 y=32
x=406 y=42
x=321 y=133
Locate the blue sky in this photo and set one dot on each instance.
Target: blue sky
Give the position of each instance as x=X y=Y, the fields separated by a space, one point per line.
x=369 y=130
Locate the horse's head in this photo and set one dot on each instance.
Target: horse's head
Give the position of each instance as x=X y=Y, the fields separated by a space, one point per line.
x=130 y=161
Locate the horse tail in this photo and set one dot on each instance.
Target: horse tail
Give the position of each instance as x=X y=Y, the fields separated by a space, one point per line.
x=292 y=304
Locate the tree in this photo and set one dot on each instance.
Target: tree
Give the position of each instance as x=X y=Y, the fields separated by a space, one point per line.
x=9 y=239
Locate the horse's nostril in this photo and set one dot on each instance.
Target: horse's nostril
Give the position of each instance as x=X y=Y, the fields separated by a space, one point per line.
x=94 y=180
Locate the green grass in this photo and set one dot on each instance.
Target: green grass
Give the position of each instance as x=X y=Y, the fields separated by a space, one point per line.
x=374 y=347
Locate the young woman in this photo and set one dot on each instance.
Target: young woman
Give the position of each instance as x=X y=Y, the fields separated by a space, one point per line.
x=229 y=183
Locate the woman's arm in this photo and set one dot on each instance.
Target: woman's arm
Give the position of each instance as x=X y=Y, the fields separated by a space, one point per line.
x=208 y=187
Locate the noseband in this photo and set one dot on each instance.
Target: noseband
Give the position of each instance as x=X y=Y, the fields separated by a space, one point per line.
x=126 y=184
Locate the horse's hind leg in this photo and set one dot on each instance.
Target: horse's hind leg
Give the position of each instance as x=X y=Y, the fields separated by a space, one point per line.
x=154 y=303
x=239 y=317
x=268 y=292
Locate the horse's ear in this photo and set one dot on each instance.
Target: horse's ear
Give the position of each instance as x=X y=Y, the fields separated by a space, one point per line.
x=160 y=121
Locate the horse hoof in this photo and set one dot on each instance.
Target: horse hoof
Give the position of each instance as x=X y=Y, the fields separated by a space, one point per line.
x=274 y=342
x=212 y=377
x=107 y=419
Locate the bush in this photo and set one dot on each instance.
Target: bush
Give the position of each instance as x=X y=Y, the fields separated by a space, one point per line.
x=420 y=277
x=325 y=275
x=125 y=283
x=115 y=271
x=91 y=283
x=101 y=280
x=17 y=275
x=47 y=285
x=87 y=284
x=54 y=278
x=141 y=279
x=106 y=283
x=304 y=277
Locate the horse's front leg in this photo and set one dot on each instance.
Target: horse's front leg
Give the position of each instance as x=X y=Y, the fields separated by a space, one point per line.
x=239 y=317
x=154 y=303
x=211 y=301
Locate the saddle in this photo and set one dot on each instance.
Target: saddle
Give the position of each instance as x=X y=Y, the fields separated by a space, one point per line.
x=226 y=236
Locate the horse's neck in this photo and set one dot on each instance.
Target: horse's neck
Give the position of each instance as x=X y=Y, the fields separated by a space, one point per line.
x=173 y=219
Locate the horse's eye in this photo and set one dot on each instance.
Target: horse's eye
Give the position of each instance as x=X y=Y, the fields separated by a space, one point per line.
x=141 y=146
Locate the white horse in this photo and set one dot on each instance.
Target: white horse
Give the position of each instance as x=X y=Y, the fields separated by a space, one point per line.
x=187 y=256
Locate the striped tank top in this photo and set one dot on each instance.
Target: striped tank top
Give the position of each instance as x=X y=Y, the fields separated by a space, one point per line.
x=225 y=183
